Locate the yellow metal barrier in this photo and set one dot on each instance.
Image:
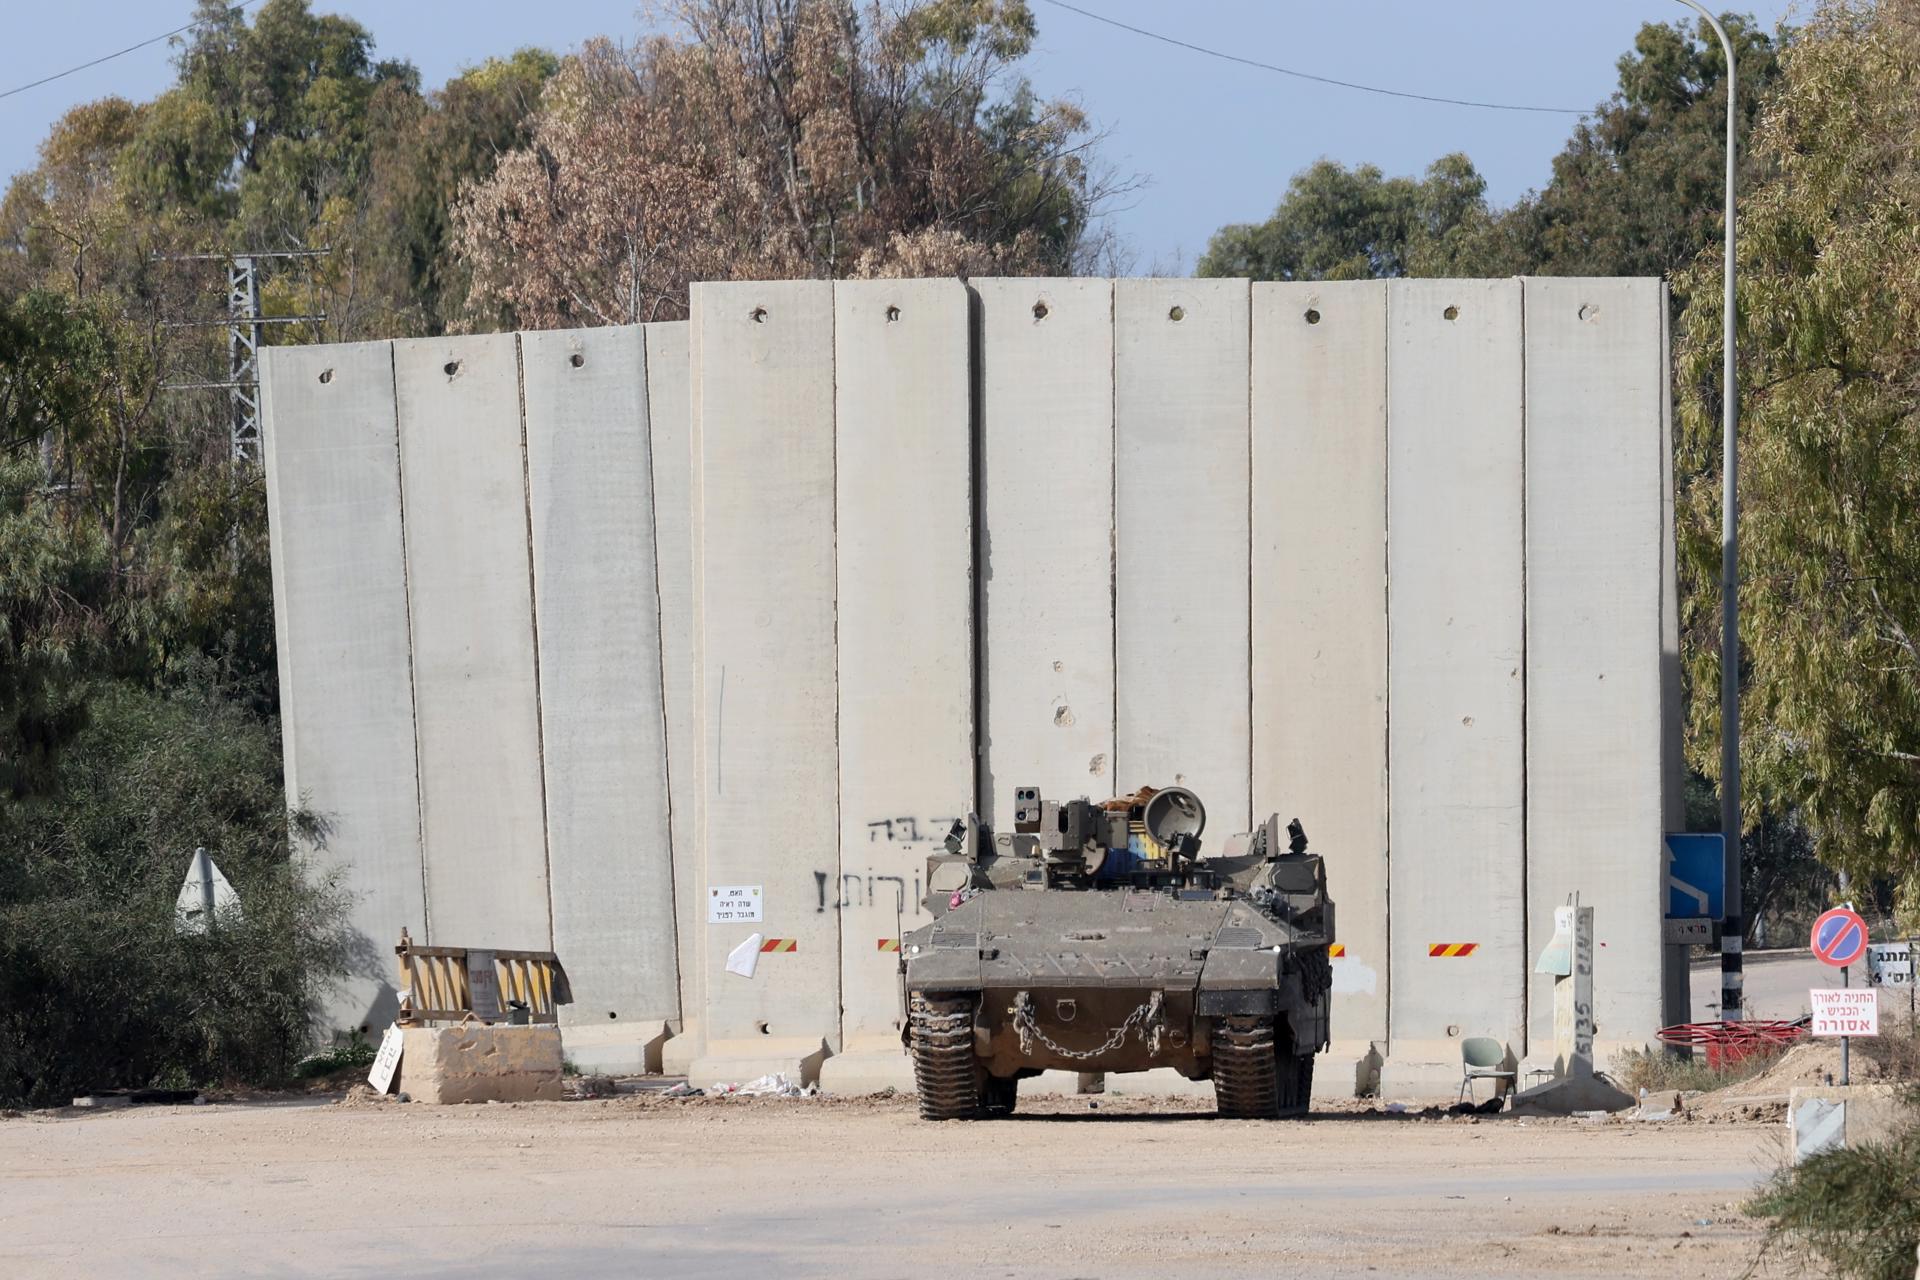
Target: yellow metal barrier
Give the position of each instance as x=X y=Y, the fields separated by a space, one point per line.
x=437 y=984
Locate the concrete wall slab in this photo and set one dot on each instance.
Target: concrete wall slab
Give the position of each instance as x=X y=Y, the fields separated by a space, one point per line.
x=670 y=454
x=905 y=537
x=471 y=607
x=1455 y=665
x=763 y=368
x=1596 y=377
x=603 y=725
x=1044 y=388
x=340 y=616
x=1180 y=370
x=1320 y=609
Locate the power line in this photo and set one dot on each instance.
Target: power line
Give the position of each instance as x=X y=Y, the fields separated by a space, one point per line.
x=1308 y=75
x=165 y=35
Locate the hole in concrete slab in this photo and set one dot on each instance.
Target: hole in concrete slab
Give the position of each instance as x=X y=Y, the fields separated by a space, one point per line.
x=576 y=359
x=1097 y=765
x=763 y=1028
x=326 y=375
x=1313 y=316
x=451 y=368
x=611 y=1014
x=1451 y=313
x=1177 y=314
x=364 y=1028
x=759 y=315
x=893 y=313
x=1063 y=716
x=1589 y=312
x=1039 y=311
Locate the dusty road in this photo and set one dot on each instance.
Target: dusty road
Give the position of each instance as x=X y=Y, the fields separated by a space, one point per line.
x=819 y=1187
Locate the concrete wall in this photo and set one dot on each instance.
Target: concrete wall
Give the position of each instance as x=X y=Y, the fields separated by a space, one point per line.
x=715 y=626
x=1320 y=609
x=340 y=620
x=905 y=628
x=1180 y=479
x=1456 y=669
x=670 y=459
x=603 y=724
x=1596 y=458
x=1044 y=383
x=763 y=366
x=482 y=811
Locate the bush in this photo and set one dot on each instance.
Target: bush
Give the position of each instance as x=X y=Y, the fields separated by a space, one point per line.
x=1855 y=1212
x=97 y=989
x=1658 y=1071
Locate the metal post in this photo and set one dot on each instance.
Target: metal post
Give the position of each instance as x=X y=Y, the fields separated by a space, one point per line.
x=203 y=870
x=1731 y=983
x=1846 y=1042
x=243 y=356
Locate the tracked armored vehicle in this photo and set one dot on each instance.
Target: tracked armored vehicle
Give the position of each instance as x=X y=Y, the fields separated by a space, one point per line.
x=1095 y=937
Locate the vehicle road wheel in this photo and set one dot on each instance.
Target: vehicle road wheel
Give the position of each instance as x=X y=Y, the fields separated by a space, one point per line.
x=945 y=1071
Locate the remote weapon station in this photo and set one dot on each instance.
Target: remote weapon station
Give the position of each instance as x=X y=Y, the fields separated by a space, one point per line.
x=1094 y=937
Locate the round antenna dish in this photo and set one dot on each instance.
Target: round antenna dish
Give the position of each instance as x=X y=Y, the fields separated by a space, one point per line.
x=1174 y=812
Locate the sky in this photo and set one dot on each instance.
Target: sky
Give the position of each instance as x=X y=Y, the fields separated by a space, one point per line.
x=1212 y=142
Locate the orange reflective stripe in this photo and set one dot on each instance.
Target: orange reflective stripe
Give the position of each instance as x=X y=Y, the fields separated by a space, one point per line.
x=1337 y=950
x=779 y=944
x=889 y=944
x=1452 y=948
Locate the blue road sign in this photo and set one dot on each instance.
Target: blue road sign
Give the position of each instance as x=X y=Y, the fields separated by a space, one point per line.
x=1696 y=876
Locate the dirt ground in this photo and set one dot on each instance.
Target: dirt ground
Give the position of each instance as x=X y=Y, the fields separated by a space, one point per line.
x=647 y=1186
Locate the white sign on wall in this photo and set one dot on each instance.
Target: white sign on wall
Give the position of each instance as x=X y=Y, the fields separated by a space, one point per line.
x=733 y=903
x=1846 y=1011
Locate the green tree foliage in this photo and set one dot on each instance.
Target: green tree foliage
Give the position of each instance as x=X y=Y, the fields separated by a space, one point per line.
x=1337 y=223
x=97 y=988
x=1830 y=449
x=1636 y=191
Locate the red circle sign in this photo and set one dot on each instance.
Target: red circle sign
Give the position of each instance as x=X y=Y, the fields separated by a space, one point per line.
x=1839 y=937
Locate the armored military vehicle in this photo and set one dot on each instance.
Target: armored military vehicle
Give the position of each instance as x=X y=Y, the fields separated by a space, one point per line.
x=1095 y=937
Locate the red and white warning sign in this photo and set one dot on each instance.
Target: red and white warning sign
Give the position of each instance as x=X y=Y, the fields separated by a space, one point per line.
x=1846 y=1011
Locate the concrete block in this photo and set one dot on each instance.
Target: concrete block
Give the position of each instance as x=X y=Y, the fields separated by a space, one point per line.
x=1161 y=1082
x=903 y=471
x=765 y=584
x=1455 y=667
x=670 y=454
x=1320 y=611
x=1595 y=382
x=1180 y=370
x=623 y=1048
x=471 y=609
x=1833 y=1117
x=340 y=618
x=478 y=1063
x=1045 y=555
x=603 y=726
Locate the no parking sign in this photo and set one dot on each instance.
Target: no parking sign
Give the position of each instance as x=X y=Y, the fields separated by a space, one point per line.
x=1839 y=937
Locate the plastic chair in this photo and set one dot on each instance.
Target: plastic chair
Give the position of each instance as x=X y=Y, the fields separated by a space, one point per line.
x=1482 y=1058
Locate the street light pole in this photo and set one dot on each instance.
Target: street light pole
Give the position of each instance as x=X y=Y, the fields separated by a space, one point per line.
x=1731 y=982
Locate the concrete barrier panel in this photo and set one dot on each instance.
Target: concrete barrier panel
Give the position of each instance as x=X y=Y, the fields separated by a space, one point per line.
x=1180 y=369
x=904 y=477
x=1045 y=399
x=340 y=618
x=763 y=366
x=1455 y=669
x=1320 y=616
x=471 y=606
x=670 y=454
x=602 y=720
x=1595 y=379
